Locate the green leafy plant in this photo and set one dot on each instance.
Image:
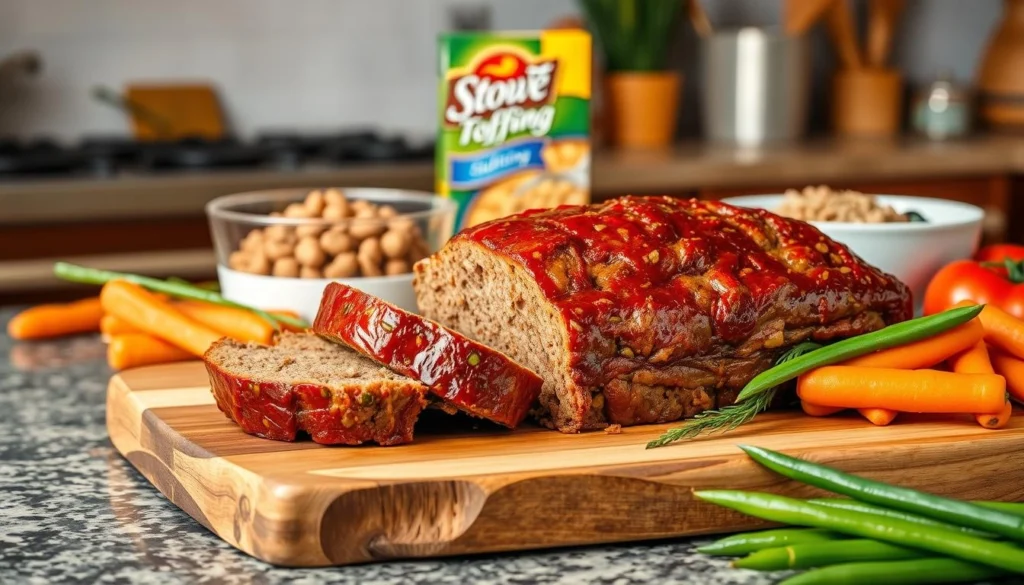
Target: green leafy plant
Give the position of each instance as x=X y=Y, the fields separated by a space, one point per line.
x=634 y=34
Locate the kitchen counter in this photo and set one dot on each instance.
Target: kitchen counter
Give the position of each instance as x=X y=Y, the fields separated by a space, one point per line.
x=74 y=511
x=687 y=167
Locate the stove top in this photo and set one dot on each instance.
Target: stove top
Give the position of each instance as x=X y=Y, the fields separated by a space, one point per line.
x=106 y=156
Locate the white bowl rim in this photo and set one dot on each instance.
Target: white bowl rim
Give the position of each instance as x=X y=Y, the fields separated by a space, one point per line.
x=218 y=207
x=369 y=280
x=972 y=214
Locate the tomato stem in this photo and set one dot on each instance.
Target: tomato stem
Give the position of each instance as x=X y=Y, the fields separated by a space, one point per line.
x=1014 y=269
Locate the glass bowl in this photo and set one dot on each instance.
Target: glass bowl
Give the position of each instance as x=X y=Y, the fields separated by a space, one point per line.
x=277 y=249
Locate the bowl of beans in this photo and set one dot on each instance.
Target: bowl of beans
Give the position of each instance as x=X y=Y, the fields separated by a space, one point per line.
x=278 y=249
x=909 y=237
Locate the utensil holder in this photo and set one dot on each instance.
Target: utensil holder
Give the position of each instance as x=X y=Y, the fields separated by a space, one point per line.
x=867 y=102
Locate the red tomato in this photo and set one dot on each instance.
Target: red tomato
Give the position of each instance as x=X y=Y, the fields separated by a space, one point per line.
x=963 y=280
x=1000 y=252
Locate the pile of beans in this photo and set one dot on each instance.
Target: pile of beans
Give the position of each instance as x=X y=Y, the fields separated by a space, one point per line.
x=367 y=240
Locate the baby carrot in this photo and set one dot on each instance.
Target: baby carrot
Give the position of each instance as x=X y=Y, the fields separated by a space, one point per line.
x=903 y=390
x=816 y=410
x=141 y=309
x=878 y=416
x=926 y=352
x=238 y=324
x=111 y=325
x=1002 y=329
x=55 y=320
x=131 y=350
x=997 y=420
x=1012 y=369
x=977 y=361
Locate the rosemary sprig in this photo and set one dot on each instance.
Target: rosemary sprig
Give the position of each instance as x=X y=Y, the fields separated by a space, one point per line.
x=728 y=418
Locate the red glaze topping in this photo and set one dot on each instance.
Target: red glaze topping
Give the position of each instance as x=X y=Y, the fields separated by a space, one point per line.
x=278 y=411
x=471 y=376
x=656 y=279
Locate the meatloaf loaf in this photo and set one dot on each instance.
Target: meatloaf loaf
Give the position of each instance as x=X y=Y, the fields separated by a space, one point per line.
x=461 y=372
x=305 y=383
x=650 y=309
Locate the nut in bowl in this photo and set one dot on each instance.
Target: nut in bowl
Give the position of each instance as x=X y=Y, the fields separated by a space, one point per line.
x=278 y=249
x=908 y=237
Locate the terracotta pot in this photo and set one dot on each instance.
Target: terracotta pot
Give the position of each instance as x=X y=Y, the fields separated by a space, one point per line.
x=1001 y=74
x=643 y=108
x=867 y=102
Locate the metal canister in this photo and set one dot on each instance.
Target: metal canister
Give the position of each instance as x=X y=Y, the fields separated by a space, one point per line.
x=756 y=85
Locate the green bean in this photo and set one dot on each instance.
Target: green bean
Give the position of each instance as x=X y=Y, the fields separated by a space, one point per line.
x=175 y=289
x=891 y=336
x=916 y=572
x=1015 y=508
x=748 y=542
x=876 y=492
x=900 y=532
x=822 y=554
x=858 y=506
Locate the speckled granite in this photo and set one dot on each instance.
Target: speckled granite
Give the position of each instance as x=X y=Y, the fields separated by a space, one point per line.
x=73 y=511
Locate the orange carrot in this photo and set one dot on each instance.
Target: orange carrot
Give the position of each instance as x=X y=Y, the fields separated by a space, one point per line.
x=878 y=416
x=144 y=311
x=972 y=361
x=1012 y=369
x=131 y=350
x=1002 y=329
x=977 y=361
x=815 y=410
x=239 y=324
x=902 y=390
x=925 y=353
x=45 y=321
x=998 y=420
x=111 y=326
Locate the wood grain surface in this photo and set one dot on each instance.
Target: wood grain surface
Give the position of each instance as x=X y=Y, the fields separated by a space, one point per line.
x=465 y=487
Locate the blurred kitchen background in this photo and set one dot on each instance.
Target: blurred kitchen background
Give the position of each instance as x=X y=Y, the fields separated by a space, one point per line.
x=316 y=93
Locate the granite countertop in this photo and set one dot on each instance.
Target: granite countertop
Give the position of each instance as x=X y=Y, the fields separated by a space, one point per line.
x=73 y=510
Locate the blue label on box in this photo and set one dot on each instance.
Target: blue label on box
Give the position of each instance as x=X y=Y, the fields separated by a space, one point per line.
x=475 y=171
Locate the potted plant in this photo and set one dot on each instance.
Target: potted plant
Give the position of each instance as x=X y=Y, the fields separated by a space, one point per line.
x=642 y=95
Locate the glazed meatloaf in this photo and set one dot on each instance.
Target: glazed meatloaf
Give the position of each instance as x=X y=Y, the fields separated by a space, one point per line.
x=650 y=309
x=464 y=374
x=305 y=383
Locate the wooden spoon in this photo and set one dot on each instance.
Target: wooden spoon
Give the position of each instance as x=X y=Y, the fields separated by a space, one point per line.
x=801 y=15
x=699 y=19
x=840 y=27
x=881 y=26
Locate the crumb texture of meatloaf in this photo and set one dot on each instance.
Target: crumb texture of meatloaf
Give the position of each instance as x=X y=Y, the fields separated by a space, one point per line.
x=463 y=373
x=650 y=309
x=305 y=383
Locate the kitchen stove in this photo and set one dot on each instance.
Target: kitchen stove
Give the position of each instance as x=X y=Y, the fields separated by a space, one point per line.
x=109 y=156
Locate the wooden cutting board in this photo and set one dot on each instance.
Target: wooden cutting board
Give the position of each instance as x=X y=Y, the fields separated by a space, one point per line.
x=464 y=490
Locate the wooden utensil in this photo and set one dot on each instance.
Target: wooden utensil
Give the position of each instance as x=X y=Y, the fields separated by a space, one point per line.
x=800 y=15
x=456 y=491
x=840 y=27
x=882 y=18
x=699 y=19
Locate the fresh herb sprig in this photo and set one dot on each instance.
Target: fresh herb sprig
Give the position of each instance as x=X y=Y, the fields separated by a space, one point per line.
x=728 y=418
x=174 y=288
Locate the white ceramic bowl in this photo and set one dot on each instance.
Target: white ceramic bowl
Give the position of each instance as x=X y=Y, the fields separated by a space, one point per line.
x=914 y=251
x=233 y=216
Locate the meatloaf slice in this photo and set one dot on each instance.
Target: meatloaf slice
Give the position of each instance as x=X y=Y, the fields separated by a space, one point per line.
x=463 y=373
x=305 y=383
x=650 y=309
